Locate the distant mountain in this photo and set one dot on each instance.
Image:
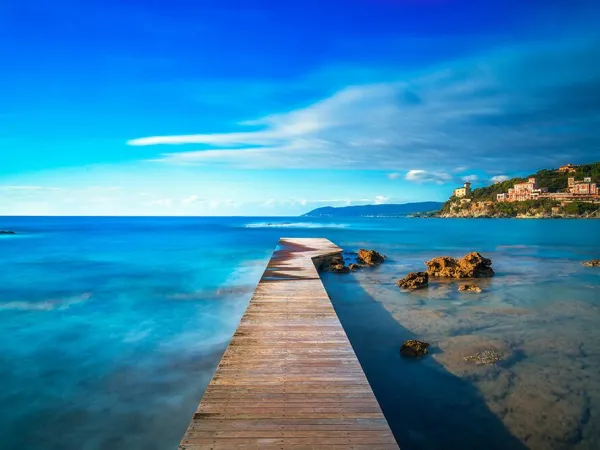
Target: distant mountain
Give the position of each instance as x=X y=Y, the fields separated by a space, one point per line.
x=374 y=210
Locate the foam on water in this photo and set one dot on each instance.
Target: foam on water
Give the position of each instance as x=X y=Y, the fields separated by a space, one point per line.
x=296 y=225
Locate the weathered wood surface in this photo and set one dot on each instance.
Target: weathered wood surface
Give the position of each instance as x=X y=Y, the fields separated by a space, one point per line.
x=289 y=378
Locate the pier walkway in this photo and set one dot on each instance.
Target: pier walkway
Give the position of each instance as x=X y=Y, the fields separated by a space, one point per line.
x=289 y=378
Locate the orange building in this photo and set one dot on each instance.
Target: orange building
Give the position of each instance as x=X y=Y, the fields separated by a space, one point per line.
x=567 y=168
x=583 y=190
x=522 y=191
x=585 y=187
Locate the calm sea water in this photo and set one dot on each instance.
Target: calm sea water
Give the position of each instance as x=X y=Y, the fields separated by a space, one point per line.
x=110 y=328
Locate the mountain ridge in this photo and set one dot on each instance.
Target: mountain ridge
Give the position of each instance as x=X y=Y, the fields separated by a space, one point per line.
x=385 y=210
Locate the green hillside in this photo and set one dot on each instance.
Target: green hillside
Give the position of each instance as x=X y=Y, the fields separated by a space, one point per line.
x=547 y=178
x=551 y=179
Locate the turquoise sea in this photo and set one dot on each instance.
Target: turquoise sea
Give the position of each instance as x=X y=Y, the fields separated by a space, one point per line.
x=110 y=328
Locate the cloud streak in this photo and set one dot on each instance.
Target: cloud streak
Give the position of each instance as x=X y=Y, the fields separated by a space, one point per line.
x=522 y=108
x=423 y=176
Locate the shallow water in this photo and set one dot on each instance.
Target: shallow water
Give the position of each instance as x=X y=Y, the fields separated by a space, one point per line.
x=110 y=329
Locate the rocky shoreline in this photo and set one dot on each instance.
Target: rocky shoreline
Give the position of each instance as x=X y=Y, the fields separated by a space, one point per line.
x=478 y=215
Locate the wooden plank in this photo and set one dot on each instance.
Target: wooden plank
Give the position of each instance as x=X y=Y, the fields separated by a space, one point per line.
x=289 y=377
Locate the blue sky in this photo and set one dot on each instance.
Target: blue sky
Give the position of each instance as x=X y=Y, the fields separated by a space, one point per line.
x=273 y=108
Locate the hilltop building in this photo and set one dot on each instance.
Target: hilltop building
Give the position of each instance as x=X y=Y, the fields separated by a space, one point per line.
x=567 y=168
x=464 y=191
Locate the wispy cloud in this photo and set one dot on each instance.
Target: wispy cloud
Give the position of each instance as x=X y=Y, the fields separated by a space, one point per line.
x=423 y=176
x=500 y=178
x=190 y=200
x=162 y=202
x=513 y=108
x=469 y=178
x=29 y=188
x=394 y=175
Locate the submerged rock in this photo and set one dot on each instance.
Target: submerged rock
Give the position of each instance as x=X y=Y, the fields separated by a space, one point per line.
x=472 y=265
x=354 y=267
x=414 y=280
x=339 y=268
x=7 y=232
x=469 y=288
x=484 y=357
x=413 y=348
x=592 y=263
x=369 y=257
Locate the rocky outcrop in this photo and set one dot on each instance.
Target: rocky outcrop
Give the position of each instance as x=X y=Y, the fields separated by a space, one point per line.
x=592 y=263
x=332 y=263
x=492 y=209
x=472 y=265
x=369 y=257
x=7 y=232
x=469 y=288
x=484 y=357
x=339 y=268
x=354 y=267
x=414 y=349
x=414 y=280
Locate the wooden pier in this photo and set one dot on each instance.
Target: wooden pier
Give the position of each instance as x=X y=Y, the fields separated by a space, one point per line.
x=289 y=378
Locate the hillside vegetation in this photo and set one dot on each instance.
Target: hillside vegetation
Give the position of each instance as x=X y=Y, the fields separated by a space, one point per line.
x=551 y=179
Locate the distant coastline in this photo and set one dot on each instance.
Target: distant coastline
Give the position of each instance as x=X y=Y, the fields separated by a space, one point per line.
x=387 y=210
x=569 y=192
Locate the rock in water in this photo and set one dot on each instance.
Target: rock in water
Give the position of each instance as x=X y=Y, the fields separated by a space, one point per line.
x=7 y=232
x=340 y=268
x=592 y=263
x=472 y=265
x=354 y=267
x=333 y=263
x=414 y=280
x=469 y=288
x=369 y=257
x=414 y=348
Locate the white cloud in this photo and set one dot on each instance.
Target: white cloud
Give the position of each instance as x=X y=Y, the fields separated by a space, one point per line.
x=190 y=200
x=380 y=200
x=423 y=176
x=394 y=175
x=500 y=178
x=459 y=114
x=470 y=178
x=226 y=204
x=163 y=202
x=29 y=188
x=269 y=203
